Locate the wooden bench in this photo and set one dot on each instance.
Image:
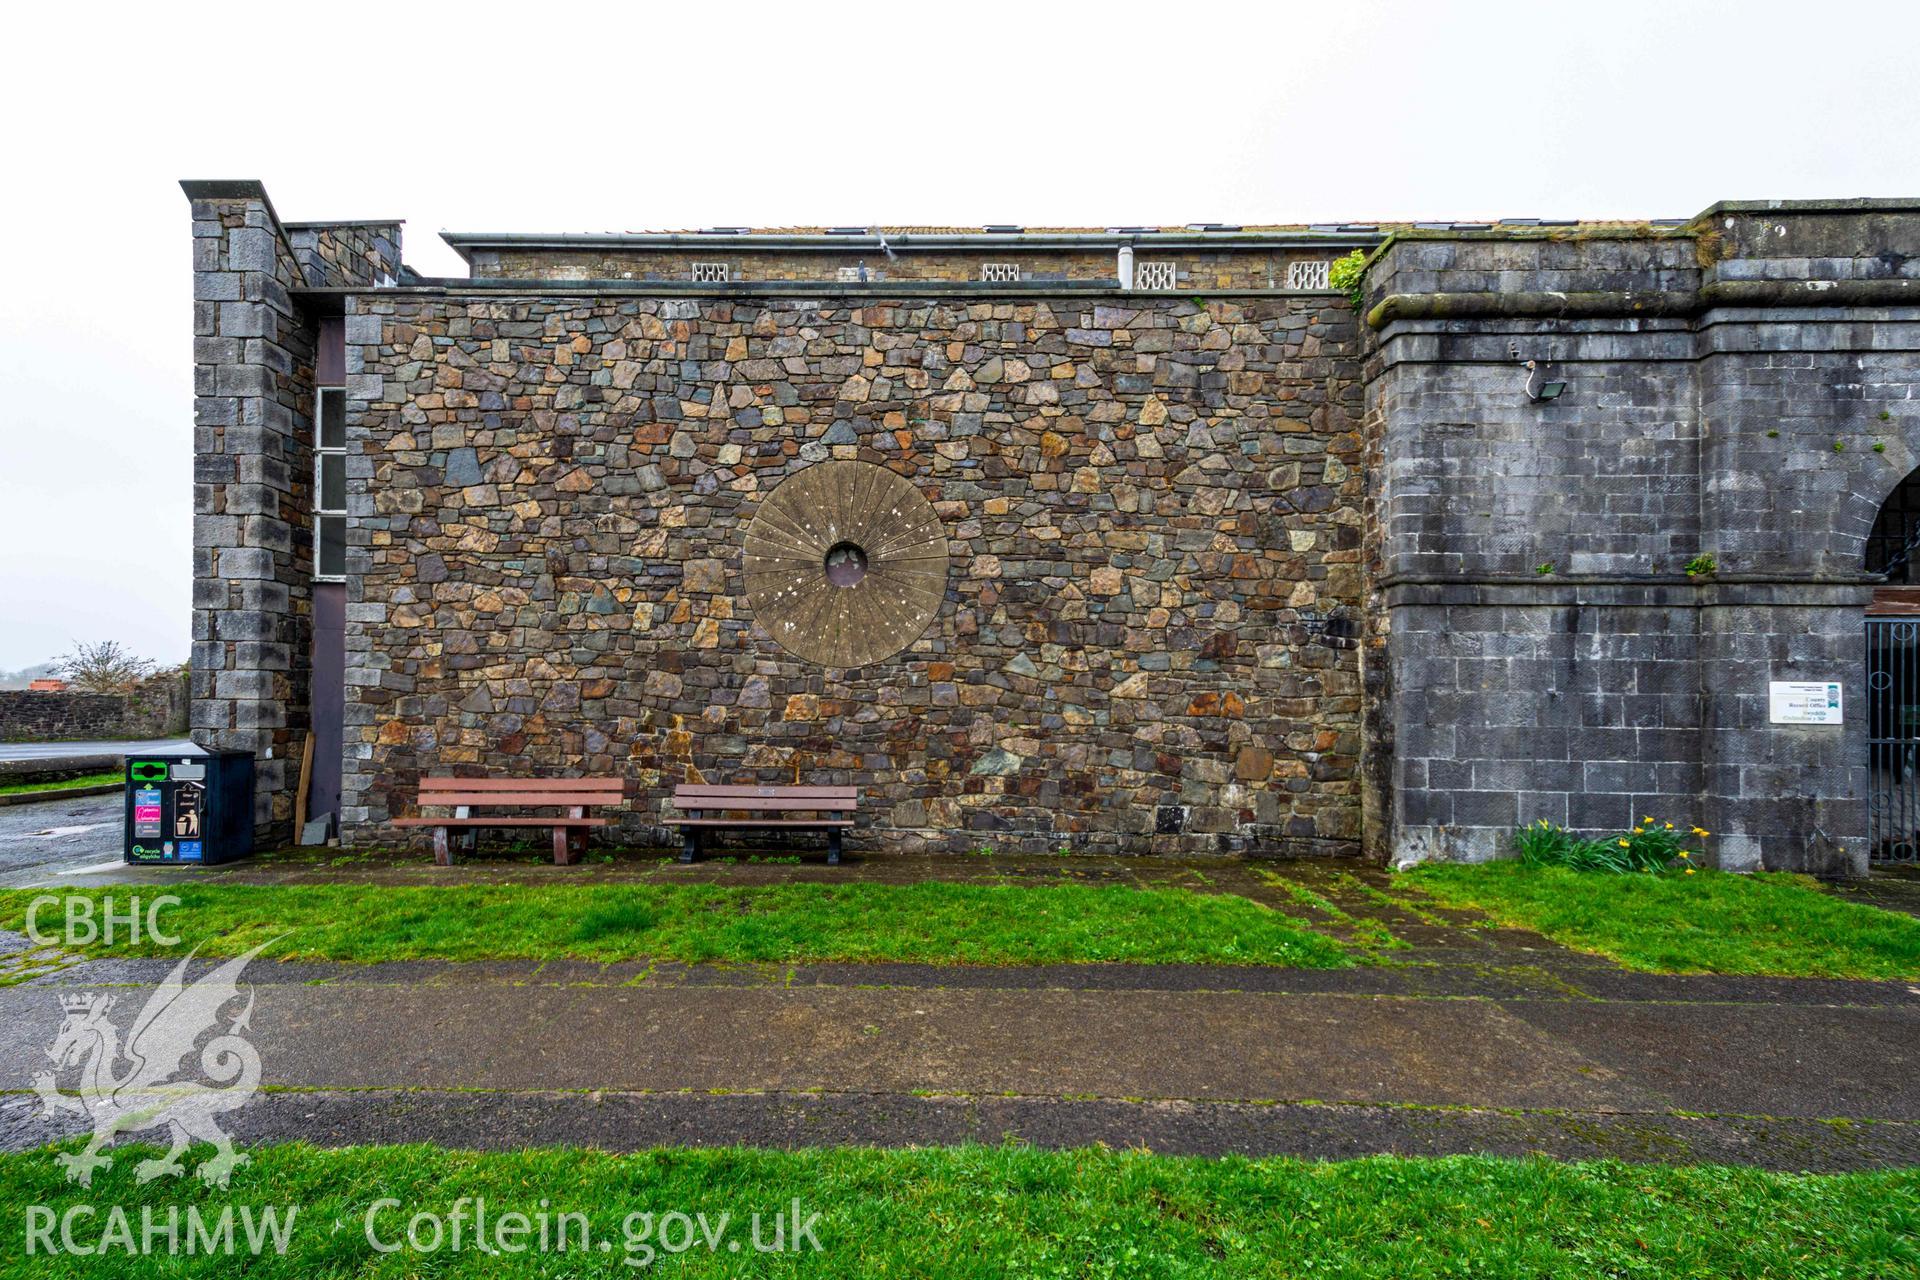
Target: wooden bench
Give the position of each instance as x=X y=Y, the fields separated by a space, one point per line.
x=464 y=795
x=707 y=806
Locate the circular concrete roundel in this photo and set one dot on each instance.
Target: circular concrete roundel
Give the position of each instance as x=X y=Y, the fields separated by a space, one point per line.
x=846 y=564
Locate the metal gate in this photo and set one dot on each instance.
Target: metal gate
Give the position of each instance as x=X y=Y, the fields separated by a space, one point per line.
x=1893 y=739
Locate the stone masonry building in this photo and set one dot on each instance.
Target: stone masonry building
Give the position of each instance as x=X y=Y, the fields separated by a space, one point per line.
x=1123 y=540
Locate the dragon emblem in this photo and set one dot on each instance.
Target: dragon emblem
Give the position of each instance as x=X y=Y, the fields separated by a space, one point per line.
x=145 y=1095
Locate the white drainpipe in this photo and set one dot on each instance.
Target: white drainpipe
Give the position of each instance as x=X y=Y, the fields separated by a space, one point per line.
x=1126 y=266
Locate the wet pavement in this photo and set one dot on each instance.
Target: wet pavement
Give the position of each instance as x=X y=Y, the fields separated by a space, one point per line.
x=615 y=1121
x=1467 y=1038
x=1891 y=887
x=44 y=842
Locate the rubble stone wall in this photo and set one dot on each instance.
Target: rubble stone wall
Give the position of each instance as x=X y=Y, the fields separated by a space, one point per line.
x=155 y=708
x=1152 y=508
x=345 y=255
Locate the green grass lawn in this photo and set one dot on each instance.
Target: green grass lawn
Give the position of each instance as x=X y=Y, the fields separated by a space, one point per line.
x=1709 y=922
x=927 y=922
x=66 y=784
x=1009 y=1211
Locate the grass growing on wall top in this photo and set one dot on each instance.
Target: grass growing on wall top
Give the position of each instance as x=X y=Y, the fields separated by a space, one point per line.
x=1711 y=922
x=929 y=922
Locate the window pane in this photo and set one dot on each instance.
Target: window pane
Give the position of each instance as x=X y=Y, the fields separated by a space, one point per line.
x=331 y=546
x=333 y=482
x=333 y=418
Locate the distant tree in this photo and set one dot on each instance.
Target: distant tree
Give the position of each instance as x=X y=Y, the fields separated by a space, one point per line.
x=105 y=667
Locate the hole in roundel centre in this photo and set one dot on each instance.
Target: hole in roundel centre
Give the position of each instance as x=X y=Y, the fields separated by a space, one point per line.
x=846 y=564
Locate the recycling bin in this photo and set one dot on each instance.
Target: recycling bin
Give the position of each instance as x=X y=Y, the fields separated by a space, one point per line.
x=189 y=809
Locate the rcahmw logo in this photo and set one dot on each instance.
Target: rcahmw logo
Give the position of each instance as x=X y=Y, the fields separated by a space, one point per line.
x=86 y=1231
x=144 y=1094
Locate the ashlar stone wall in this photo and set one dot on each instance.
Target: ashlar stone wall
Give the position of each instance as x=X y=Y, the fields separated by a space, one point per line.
x=1587 y=598
x=254 y=338
x=253 y=467
x=1152 y=509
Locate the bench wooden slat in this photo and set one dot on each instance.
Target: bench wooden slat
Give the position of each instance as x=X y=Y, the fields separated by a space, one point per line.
x=755 y=789
x=616 y=786
x=761 y=803
x=748 y=824
x=509 y=799
x=501 y=822
x=576 y=795
x=753 y=800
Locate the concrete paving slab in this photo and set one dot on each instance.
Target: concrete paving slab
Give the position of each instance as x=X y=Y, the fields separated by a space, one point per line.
x=1043 y=1042
x=1157 y=1044
x=1783 y=1060
x=1543 y=981
x=637 y=1121
x=1603 y=983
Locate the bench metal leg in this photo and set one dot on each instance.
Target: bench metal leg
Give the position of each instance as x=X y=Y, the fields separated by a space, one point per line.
x=833 y=847
x=442 y=855
x=690 y=848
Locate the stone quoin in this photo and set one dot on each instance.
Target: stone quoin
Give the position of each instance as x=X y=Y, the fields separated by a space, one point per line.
x=1224 y=564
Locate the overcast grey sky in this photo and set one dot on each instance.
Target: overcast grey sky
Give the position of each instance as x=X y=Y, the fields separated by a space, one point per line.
x=557 y=118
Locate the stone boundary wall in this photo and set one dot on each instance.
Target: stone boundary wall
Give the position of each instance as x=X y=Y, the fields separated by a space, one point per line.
x=53 y=717
x=158 y=709
x=1152 y=508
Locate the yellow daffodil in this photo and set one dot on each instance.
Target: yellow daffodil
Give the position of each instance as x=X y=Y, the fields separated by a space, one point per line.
x=1626 y=844
x=1685 y=854
x=1669 y=826
x=1689 y=870
x=1647 y=821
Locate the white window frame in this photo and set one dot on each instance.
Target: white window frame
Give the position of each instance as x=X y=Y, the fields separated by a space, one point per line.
x=1308 y=273
x=1000 y=273
x=710 y=273
x=1155 y=275
x=320 y=453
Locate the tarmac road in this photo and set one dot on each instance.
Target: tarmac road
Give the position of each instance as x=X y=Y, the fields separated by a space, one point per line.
x=78 y=750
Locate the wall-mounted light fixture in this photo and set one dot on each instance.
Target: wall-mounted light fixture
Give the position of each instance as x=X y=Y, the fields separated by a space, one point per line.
x=1537 y=387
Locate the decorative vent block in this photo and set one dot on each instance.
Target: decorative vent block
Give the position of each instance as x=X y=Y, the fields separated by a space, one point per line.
x=709 y=273
x=1307 y=275
x=1153 y=275
x=999 y=272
